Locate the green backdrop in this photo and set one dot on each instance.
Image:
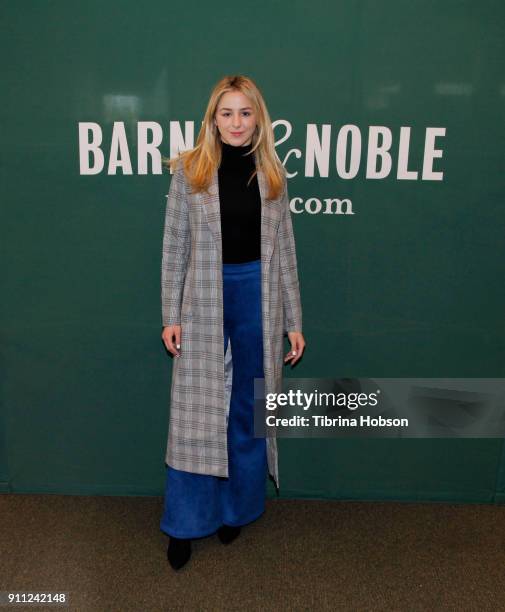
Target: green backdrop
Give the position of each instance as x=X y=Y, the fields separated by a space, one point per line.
x=410 y=285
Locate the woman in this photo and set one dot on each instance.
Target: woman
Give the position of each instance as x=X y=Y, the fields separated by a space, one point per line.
x=230 y=292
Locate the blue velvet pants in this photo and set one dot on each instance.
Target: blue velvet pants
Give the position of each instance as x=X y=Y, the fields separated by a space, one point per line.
x=196 y=505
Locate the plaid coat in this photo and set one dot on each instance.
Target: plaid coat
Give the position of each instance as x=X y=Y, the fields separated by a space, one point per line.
x=192 y=296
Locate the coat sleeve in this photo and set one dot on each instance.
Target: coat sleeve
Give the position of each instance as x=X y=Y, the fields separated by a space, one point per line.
x=176 y=248
x=292 y=308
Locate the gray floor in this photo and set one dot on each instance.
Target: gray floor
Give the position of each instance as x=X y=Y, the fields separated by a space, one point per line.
x=109 y=554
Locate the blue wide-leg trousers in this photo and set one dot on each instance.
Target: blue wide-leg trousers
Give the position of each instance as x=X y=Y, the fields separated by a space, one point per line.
x=196 y=505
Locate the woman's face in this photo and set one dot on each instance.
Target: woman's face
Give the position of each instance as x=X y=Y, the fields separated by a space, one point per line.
x=235 y=118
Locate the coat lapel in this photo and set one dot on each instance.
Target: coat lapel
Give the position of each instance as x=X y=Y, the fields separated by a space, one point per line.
x=270 y=215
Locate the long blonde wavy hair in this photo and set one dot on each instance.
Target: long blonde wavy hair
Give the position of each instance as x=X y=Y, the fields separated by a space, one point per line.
x=204 y=159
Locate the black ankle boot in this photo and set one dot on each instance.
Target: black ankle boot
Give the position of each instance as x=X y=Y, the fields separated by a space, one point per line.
x=227 y=533
x=178 y=552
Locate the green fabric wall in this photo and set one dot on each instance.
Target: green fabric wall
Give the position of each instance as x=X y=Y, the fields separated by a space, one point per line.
x=411 y=285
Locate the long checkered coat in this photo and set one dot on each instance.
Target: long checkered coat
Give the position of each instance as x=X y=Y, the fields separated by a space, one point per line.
x=192 y=296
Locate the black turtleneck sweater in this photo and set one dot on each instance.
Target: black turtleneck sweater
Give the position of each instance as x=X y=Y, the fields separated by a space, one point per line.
x=240 y=205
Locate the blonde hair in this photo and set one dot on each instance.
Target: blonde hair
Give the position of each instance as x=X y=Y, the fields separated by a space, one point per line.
x=202 y=161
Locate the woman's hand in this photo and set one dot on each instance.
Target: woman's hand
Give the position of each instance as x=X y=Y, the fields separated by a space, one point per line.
x=168 y=335
x=297 y=346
